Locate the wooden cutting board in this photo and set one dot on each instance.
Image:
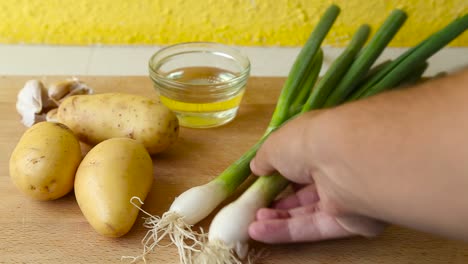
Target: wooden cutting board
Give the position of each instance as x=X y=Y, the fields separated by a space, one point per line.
x=57 y=232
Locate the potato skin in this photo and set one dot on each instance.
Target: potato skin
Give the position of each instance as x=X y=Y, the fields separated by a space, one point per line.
x=112 y=173
x=44 y=162
x=95 y=118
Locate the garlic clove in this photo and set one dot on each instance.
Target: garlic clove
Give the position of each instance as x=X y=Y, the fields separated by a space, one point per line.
x=30 y=102
x=52 y=115
x=30 y=97
x=27 y=115
x=47 y=102
x=58 y=90
x=80 y=88
x=61 y=90
x=30 y=118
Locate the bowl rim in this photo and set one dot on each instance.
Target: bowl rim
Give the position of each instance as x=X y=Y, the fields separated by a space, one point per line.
x=233 y=53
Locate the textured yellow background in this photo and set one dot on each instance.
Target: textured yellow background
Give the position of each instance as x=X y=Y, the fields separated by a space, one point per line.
x=240 y=22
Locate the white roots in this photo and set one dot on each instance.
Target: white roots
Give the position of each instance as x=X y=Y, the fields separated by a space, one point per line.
x=216 y=252
x=172 y=225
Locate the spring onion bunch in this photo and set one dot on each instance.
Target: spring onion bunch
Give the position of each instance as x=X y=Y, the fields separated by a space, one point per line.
x=197 y=203
x=228 y=237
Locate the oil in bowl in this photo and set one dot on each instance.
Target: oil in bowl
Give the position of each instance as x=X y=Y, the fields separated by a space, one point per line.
x=203 y=83
x=196 y=110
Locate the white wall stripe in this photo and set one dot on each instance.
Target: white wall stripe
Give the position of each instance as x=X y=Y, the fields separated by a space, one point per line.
x=132 y=60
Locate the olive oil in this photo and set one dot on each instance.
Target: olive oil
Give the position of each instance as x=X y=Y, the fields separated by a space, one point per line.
x=208 y=98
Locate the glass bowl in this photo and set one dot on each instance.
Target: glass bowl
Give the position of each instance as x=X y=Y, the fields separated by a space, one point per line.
x=202 y=82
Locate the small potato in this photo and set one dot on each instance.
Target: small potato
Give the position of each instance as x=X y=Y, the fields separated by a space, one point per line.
x=112 y=173
x=95 y=118
x=44 y=162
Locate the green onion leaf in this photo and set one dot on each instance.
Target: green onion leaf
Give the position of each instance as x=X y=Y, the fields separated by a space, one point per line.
x=336 y=71
x=308 y=85
x=300 y=66
x=430 y=46
x=367 y=57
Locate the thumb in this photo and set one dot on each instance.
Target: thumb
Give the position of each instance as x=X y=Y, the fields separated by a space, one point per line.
x=279 y=149
x=261 y=164
x=285 y=150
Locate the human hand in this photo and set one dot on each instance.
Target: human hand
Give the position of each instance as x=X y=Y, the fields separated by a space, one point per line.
x=319 y=209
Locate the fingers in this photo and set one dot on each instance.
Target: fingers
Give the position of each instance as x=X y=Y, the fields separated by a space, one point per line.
x=269 y=214
x=309 y=227
x=307 y=223
x=305 y=196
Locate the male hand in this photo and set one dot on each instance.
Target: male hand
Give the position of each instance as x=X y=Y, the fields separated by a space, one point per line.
x=318 y=210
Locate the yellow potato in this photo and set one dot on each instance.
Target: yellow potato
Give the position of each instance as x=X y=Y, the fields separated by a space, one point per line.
x=112 y=173
x=44 y=162
x=95 y=118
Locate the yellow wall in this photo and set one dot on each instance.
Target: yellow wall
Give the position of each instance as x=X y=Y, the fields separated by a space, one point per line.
x=240 y=22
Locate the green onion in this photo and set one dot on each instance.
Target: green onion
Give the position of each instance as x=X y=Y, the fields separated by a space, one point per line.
x=308 y=85
x=430 y=46
x=300 y=66
x=367 y=57
x=373 y=72
x=270 y=186
x=414 y=76
x=198 y=202
x=228 y=235
x=385 y=69
x=234 y=175
x=336 y=70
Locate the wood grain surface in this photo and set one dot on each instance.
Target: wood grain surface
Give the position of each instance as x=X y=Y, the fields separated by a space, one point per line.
x=57 y=232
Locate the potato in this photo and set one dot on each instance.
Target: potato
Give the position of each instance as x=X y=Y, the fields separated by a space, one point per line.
x=44 y=162
x=112 y=173
x=95 y=118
